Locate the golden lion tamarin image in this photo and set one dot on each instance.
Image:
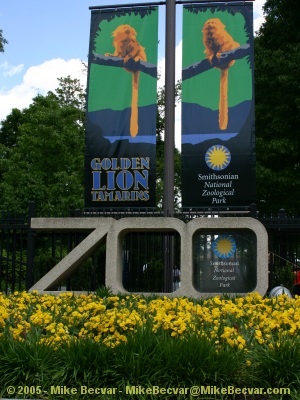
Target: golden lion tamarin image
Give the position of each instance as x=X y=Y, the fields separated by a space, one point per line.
x=217 y=41
x=127 y=47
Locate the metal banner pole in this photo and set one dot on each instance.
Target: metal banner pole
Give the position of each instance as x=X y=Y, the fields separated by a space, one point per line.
x=169 y=141
x=169 y=110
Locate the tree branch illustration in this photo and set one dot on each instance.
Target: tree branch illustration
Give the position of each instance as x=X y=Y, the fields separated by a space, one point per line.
x=131 y=65
x=204 y=65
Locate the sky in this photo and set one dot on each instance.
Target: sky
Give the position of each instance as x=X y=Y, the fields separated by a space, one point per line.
x=48 y=40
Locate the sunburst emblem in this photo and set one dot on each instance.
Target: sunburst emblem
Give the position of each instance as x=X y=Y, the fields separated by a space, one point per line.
x=218 y=157
x=224 y=246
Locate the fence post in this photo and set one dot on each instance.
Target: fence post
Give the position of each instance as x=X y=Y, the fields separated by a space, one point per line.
x=282 y=213
x=253 y=210
x=30 y=246
x=271 y=258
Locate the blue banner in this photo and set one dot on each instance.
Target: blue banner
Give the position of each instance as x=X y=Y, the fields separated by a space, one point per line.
x=121 y=109
x=218 y=143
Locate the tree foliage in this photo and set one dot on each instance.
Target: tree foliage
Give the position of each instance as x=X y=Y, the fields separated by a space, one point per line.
x=277 y=67
x=3 y=41
x=281 y=25
x=42 y=152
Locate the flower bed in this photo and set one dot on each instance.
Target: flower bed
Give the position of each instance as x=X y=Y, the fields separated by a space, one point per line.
x=175 y=341
x=240 y=322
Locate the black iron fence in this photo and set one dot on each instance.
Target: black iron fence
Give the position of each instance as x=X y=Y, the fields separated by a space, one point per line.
x=13 y=253
x=26 y=254
x=284 y=250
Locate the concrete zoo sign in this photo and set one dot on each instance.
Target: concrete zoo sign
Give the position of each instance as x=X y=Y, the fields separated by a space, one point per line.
x=218 y=255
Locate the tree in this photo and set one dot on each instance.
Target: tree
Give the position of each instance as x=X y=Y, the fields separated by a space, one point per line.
x=282 y=24
x=42 y=152
x=3 y=41
x=10 y=128
x=70 y=94
x=277 y=90
x=8 y=138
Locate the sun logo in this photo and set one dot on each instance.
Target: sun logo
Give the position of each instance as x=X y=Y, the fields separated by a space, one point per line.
x=218 y=157
x=224 y=246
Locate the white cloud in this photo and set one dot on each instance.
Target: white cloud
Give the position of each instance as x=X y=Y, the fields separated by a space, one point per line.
x=10 y=70
x=258 y=12
x=257 y=6
x=39 y=79
x=258 y=23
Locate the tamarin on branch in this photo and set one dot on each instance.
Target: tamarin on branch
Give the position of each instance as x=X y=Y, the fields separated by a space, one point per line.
x=127 y=47
x=217 y=41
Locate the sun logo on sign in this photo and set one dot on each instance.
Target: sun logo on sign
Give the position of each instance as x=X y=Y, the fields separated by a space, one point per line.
x=224 y=246
x=218 y=157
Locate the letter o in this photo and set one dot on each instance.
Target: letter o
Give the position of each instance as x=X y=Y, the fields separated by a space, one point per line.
x=124 y=180
x=106 y=163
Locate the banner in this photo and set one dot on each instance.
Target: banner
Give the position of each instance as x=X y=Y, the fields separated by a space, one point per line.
x=120 y=140
x=218 y=144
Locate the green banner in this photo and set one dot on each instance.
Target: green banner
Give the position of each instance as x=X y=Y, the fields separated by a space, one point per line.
x=121 y=108
x=218 y=157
